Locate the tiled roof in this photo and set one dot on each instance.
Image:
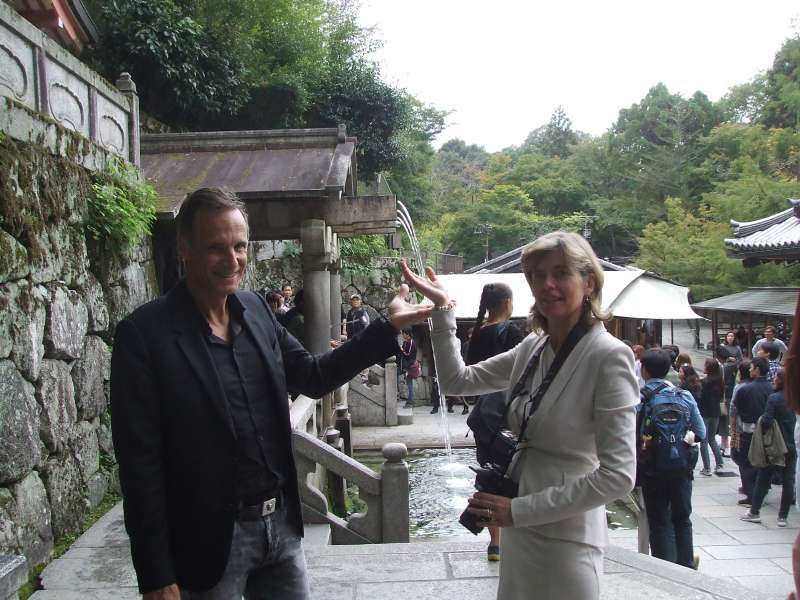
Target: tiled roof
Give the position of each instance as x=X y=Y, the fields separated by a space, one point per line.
x=776 y=236
x=254 y=164
x=510 y=262
x=765 y=301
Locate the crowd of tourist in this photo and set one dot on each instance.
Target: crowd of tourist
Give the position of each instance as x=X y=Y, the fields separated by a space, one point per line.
x=739 y=396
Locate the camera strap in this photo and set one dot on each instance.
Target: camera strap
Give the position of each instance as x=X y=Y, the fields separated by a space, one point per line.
x=535 y=399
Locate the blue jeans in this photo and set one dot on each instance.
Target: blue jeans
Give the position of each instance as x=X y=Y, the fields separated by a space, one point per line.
x=266 y=562
x=668 y=502
x=401 y=379
x=710 y=440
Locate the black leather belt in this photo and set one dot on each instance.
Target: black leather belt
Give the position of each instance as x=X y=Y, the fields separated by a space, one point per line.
x=264 y=508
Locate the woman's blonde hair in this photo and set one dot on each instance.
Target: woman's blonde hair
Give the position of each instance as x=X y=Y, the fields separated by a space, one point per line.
x=579 y=256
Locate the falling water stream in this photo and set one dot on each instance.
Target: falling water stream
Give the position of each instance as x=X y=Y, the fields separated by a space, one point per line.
x=408 y=227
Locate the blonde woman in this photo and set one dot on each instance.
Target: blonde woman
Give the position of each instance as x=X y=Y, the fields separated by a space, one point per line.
x=578 y=450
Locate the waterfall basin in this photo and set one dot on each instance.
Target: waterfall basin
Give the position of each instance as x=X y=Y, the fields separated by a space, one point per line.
x=439 y=487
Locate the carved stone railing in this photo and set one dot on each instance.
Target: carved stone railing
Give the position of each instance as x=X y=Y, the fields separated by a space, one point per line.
x=13 y=575
x=386 y=519
x=40 y=75
x=373 y=399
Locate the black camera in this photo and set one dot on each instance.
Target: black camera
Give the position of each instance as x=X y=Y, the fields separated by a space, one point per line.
x=500 y=452
x=490 y=479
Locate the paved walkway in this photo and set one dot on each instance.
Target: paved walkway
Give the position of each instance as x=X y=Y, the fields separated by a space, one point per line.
x=757 y=556
x=425 y=432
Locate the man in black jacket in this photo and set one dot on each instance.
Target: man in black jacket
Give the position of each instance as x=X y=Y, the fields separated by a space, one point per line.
x=750 y=402
x=199 y=383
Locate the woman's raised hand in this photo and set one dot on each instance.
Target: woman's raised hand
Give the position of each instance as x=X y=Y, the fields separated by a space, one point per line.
x=431 y=287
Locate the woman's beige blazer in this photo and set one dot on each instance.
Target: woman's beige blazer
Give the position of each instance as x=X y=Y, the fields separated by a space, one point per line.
x=579 y=448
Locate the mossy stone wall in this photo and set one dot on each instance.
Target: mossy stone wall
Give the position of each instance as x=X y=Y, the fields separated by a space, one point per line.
x=60 y=297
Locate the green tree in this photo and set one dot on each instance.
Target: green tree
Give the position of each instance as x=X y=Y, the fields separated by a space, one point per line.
x=554 y=184
x=513 y=221
x=553 y=139
x=689 y=249
x=183 y=73
x=782 y=87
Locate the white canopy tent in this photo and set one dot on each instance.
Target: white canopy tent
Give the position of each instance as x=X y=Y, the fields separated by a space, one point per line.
x=632 y=294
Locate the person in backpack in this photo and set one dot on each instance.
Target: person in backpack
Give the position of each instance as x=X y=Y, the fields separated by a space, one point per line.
x=493 y=334
x=666 y=461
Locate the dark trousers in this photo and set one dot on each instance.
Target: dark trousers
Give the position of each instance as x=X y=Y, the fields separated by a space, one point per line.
x=764 y=479
x=747 y=471
x=668 y=502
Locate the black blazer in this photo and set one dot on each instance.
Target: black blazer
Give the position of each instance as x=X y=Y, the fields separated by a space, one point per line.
x=174 y=437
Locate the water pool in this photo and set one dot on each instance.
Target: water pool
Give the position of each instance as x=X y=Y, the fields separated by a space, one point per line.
x=439 y=490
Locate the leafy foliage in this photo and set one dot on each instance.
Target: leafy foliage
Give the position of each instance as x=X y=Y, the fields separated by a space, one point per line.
x=554 y=139
x=122 y=207
x=263 y=64
x=356 y=252
x=705 y=267
x=182 y=72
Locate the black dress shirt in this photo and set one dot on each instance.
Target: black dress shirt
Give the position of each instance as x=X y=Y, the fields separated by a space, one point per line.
x=240 y=367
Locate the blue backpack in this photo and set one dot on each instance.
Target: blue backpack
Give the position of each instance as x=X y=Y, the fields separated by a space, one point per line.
x=664 y=419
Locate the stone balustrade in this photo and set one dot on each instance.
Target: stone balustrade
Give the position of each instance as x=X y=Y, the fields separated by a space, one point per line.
x=40 y=75
x=373 y=399
x=386 y=519
x=13 y=575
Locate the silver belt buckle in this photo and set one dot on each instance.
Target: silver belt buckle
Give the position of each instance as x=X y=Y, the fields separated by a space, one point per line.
x=268 y=506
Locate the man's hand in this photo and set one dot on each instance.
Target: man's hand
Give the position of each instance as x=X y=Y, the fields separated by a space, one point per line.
x=401 y=314
x=431 y=287
x=171 y=592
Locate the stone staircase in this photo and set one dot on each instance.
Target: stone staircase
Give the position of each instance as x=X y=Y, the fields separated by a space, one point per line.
x=98 y=566
x=373 y=398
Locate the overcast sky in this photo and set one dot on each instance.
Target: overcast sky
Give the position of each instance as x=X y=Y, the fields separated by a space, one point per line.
x=502 y=66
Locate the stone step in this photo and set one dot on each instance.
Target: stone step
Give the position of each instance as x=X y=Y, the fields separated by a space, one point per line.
x=316 y=534
x=405 y=416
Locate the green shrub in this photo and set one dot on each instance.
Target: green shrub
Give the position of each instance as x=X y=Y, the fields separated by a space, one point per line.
x=122 y=206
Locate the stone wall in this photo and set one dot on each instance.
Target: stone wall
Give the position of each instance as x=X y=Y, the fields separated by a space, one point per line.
x=275 y=263
x=60 y=298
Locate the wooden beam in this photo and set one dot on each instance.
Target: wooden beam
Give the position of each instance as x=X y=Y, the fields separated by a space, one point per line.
x=41 y=18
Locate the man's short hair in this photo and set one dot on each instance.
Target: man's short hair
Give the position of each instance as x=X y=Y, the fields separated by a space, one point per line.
x=286 y=285
x=761 y=364
x=770 y=328
x=657 y=361
x=722 y=353
x=216 y=199
x=772 y=349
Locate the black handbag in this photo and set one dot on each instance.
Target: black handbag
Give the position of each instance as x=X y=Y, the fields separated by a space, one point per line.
x=488 y=418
